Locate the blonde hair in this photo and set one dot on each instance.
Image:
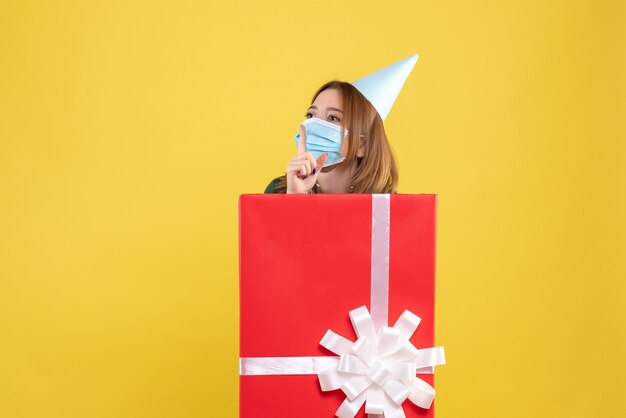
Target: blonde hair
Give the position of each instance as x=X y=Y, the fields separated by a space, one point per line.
x=376 y=171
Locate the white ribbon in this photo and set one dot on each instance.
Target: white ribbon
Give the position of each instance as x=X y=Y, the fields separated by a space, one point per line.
x=378 y=369
x=379 y=288
x=286 y=365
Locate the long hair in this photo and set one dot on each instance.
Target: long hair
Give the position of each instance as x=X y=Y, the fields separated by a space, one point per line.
x=376 y=171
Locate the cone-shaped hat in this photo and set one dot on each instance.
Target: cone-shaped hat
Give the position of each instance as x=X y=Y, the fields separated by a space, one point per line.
x=382 y=87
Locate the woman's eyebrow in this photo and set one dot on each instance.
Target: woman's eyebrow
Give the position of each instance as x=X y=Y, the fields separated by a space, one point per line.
x=329 y=108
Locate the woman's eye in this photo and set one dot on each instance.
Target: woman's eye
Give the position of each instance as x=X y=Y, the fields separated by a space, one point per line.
x=334 y=118
x=308 y=115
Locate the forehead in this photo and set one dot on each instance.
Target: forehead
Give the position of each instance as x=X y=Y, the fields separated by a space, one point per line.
x=328 y=98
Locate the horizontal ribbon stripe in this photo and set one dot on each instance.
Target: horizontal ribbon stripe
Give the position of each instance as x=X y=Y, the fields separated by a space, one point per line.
x=260 y=366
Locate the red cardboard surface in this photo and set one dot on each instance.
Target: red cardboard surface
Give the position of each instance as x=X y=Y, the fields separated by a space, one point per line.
x=304 y=263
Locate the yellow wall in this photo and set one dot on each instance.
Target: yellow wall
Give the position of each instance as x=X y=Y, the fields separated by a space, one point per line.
x=128 y=129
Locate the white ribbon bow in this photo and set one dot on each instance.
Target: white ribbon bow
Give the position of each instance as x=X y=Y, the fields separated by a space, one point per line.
x=379 y=369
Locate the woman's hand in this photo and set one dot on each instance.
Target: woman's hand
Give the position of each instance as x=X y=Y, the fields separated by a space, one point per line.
x=302 y=170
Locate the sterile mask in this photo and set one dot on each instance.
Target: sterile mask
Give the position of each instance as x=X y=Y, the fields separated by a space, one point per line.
x=323 y=137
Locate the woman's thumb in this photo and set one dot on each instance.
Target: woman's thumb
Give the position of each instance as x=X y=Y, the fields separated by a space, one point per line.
x=320 y=163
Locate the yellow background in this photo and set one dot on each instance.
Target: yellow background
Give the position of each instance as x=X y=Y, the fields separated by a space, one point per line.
x=128 y=129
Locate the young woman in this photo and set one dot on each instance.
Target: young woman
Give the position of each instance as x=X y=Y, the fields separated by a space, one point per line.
x=368 y=164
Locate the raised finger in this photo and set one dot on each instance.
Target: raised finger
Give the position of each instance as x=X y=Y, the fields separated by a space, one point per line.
x=302 y=143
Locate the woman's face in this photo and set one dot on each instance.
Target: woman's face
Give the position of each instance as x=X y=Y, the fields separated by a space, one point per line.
x=328 y=106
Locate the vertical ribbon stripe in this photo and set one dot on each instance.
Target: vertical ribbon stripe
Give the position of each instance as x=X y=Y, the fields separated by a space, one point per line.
x=379 y=292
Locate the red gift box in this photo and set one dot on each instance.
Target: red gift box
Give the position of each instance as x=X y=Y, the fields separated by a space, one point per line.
x=306 y=261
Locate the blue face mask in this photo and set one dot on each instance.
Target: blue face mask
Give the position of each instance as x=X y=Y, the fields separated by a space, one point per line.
x=323 y=137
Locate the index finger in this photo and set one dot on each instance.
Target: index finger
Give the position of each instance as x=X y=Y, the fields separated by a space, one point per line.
x=302 y=143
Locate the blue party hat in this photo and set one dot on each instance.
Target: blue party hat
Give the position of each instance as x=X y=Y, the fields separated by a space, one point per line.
x=382 y=87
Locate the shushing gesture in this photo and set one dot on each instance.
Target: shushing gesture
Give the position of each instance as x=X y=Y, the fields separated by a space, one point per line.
x=303 y=169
